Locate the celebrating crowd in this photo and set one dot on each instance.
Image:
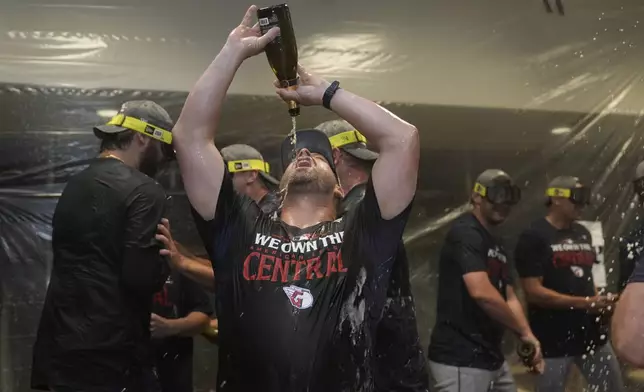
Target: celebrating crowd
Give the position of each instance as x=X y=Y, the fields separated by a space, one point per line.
x=310 y=275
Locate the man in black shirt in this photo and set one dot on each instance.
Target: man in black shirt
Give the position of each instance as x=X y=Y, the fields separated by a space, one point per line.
x=554 y=258
x=298 y=293
x=628 y=322
x=476 y=301
x=400 y=361
x=94 y=330
x=631 y=245
x=251 y=177
x=180 y=311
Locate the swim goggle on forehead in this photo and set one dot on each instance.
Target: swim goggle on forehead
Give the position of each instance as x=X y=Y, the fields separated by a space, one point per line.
x=579 y=196
x=153 y=131
x=504 y=193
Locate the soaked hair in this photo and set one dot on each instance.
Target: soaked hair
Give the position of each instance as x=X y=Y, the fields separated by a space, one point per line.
x=116 y=141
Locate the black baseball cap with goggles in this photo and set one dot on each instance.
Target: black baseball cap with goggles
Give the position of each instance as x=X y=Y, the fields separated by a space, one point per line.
x=145 y=117
x=497 y=187
x=569 y=187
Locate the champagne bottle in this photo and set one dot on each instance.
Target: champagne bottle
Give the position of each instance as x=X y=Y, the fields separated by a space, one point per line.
x=526 y=352
x=282 y=51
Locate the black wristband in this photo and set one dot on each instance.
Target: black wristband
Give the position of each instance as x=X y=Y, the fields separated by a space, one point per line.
x=329 y=93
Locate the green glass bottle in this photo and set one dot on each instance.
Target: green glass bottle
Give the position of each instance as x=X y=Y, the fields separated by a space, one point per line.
x=282 y=51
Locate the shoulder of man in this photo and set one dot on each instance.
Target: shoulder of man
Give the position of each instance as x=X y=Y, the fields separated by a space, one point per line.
x=353 y=198
x=465 y=228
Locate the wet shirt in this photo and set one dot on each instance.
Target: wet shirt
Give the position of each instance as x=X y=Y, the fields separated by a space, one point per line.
x=400 y=360
x=173 y=355
x=297 y=308
x=464 y=334
x=564 y=259
x=270 y=202
x=94 y=332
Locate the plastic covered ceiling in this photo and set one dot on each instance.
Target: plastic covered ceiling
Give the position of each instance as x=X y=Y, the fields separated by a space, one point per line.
x=484 y=53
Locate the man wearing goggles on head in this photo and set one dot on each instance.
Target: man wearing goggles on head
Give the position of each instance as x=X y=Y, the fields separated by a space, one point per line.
x=299 y=292
x=476 y=301
x=554 y=258
x=251 y=177
x=400 y=360
x=94 y=331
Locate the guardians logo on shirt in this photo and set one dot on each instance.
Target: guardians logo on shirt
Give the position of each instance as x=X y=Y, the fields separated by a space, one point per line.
x=283 y=260
x=497 y=262
x=569 y=253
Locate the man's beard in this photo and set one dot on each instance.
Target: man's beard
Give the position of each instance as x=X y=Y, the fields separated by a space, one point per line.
x=150 y=161
x=309 y=182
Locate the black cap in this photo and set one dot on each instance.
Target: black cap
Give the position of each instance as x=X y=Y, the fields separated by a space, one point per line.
x=564 y=182
x=312 y=139
x=497 y=187
x=146 y=111
x=350 y=140
x=242 y=152
x=492 y=177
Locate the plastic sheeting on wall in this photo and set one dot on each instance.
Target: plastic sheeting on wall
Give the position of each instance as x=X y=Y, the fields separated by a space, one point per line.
x=46 y=136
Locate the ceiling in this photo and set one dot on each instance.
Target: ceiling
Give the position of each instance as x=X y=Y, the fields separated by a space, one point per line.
x=466 y=53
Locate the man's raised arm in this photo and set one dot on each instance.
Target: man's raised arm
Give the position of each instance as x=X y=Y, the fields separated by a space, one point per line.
x=202 y=167
x=395 y=173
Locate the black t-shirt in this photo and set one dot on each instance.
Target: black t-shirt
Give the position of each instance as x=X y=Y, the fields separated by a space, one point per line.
x=464 y=335
x=564 y=259
x=400 y=360
x=297 y=308
x=630 y=250
x=94 y=333
x=173 y=355
x=270 y=202
x=638 y=272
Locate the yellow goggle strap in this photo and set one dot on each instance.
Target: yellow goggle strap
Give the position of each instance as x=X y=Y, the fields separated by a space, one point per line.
x=249 y=164
x=480 y=189
x=558 y=192
x=138 y=125
x=348 y=137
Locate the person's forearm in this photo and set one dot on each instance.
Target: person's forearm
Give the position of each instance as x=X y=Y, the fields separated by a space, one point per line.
x=516 y=307
x=191 y=325
x=382 y=128
x=200 y=114
x=551 y=299
x=499 y=310
x=627 y=332
x=199 y=272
